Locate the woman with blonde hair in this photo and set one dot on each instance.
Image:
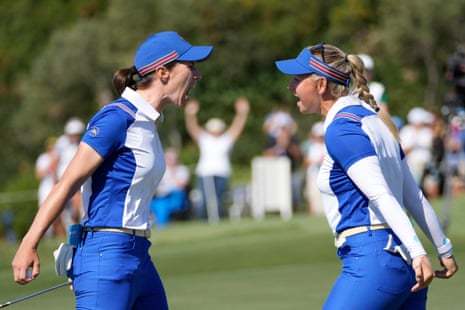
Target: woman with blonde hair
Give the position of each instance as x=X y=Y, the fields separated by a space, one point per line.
x=366 y=186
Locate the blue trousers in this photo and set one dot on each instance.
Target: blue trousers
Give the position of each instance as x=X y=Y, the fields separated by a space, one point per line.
x=114 y=271
x=373 y=278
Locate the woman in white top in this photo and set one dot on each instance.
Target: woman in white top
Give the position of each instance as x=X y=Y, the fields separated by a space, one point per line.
x=215 y=144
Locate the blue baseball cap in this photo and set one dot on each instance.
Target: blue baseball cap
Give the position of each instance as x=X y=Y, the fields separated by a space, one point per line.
x=164 y=47
x=307 y=63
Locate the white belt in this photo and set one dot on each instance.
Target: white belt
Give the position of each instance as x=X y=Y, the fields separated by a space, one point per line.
x=341 y=237
x=136 y=232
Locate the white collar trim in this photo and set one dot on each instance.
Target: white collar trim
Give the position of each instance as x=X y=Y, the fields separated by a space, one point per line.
x=141 y=104
x=339 y=105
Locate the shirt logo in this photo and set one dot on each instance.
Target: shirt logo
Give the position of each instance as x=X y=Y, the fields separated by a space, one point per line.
x=94 y=131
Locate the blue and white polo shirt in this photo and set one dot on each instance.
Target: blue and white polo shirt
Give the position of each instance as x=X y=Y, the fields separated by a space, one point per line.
x=119 y=192
x=363 y=178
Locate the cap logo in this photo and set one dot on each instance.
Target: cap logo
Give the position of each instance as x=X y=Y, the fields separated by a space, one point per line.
x=159 y=62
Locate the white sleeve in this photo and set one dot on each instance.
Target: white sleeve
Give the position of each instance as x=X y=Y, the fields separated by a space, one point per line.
x=368 y=177
x=424 y=215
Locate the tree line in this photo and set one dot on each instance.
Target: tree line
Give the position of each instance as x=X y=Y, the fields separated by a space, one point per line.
x=58 y=58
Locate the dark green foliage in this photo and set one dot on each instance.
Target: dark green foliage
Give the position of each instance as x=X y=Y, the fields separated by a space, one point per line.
x=18 y=207
x=26 y=27
x=58 y=58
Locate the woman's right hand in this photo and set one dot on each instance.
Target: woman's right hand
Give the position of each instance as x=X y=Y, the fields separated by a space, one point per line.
x=25 y=264
x=423 y=272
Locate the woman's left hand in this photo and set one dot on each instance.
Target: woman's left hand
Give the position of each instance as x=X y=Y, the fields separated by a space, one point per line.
x=71 y=287
x=242 y=106
x=450 y=268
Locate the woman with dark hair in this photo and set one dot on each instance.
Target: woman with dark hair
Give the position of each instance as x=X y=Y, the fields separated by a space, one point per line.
x=119 y=163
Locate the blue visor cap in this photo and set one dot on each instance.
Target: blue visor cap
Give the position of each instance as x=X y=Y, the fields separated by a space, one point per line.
x=164 y=47
x=307 y=63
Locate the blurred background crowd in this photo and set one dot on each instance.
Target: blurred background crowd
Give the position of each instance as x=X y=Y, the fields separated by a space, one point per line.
x=57 y=57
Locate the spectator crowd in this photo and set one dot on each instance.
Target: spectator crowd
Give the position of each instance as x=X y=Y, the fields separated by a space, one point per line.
x=433 y=145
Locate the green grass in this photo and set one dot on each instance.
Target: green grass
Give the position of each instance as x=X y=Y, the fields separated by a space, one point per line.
x=272 y=264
